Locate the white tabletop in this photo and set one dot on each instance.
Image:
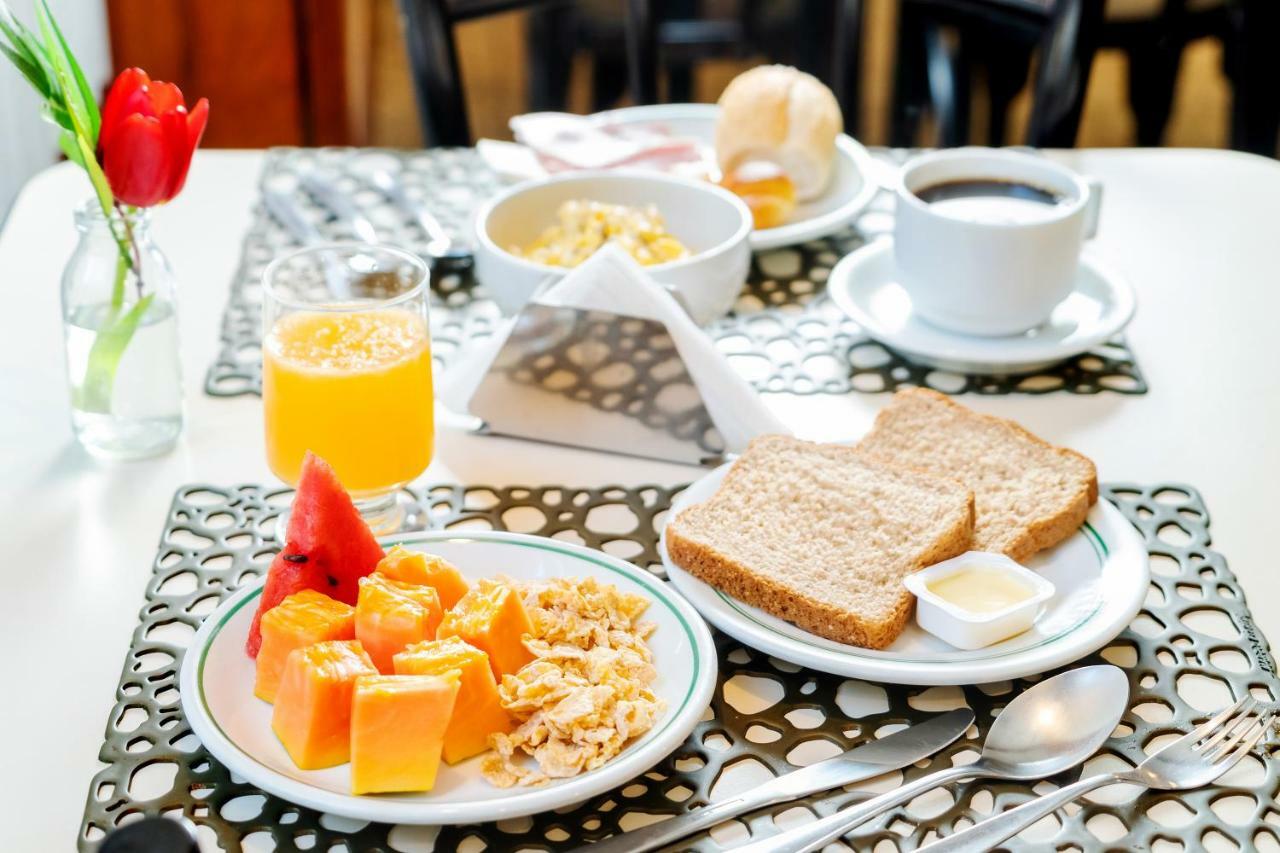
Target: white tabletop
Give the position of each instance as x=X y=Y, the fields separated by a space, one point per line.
x=1195 y=232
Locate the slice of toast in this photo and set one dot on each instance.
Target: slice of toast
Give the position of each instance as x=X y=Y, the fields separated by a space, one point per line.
x=821 y=536
x=1029 y=495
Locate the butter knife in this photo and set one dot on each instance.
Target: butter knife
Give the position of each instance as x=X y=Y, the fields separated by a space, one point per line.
x=888 y=753
x=340 y=205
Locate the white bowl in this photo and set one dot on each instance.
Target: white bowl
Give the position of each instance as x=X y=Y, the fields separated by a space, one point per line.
x=712 y=222
x=964 y=628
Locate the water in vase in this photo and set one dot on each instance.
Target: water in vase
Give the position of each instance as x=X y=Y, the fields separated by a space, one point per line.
x=140 y=412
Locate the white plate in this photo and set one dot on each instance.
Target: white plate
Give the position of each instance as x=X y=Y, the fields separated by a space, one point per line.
x=851 y=188
x=216 y=684
x=864 y=284
x=1101 y=574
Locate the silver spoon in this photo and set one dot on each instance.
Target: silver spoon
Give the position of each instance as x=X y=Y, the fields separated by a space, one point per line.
x=1055 y=725
x=1192 y=761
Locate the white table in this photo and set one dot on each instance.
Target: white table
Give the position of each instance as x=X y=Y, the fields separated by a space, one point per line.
x=1195 y=231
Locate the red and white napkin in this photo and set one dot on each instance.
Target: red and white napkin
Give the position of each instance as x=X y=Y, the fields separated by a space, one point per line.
x=547 y=143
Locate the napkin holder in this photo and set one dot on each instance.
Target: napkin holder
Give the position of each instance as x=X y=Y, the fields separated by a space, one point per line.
x=596 y=379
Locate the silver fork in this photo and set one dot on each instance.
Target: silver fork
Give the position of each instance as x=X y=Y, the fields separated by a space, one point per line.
x=1192 y=761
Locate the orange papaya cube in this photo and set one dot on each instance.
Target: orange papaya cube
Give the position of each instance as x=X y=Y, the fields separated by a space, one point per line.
x=312 y=716
x=492 y=618
x=407 y=566
x=478 y=712
x=302 y=619
x=391 y=615
x=398 y=725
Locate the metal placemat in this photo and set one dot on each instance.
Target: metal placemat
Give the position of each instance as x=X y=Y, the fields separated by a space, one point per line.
x=784 y=333
x=1194 y=635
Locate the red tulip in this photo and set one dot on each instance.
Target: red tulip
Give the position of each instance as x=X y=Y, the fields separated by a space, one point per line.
x=147 y=138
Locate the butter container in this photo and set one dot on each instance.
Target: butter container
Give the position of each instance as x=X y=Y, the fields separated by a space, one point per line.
x=977 y=599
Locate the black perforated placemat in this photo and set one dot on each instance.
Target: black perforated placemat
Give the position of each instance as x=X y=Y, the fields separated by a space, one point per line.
x=1194 y=638
x=784 y=333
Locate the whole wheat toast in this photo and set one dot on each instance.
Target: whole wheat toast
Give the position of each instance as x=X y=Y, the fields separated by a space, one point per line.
x=1028 y=495
x=822 y=536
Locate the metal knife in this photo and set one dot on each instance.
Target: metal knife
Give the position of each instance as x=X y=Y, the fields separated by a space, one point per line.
x=284 y=211
x=439 y=244
x=340 y=204
x=863 y=762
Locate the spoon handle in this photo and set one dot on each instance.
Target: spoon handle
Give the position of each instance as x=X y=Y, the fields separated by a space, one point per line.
x=816 y=835
x=983 y=836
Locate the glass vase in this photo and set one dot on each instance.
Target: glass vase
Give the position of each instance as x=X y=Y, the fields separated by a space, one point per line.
x=120 y=323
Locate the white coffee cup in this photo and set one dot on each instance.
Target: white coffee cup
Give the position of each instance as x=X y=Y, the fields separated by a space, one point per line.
x=995 y=266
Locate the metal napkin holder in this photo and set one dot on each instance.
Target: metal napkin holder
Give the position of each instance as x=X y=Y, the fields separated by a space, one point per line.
x=599 y=380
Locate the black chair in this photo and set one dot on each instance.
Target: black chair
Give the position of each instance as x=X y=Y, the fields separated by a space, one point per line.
x=428 y=27
x=943 y=44
x=1154 y=43
x=818 y=36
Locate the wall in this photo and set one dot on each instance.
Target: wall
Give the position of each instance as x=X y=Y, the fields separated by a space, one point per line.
x=28 y=144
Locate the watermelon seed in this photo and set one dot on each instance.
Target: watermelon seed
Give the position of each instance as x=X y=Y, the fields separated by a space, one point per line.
x=332 y=580
x=295 y=558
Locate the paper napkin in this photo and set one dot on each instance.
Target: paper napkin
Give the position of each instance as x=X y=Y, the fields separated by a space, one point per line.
x=611 y=280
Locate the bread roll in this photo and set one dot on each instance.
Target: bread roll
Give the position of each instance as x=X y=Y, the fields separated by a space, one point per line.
x=784 y=116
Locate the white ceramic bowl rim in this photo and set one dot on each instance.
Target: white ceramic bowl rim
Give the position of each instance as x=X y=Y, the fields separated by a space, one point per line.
x=742 y=232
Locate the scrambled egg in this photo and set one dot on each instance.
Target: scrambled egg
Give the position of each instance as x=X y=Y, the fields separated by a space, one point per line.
x=584 y=226
x=586 y=694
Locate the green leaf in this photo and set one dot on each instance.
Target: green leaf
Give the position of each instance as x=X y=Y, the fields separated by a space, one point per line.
x=75 y=104
x=104 y=357
x=24 y=42
x=77 y=74
x=67 y=142
x=101 y=188
x=58 y=116
x=30 y=70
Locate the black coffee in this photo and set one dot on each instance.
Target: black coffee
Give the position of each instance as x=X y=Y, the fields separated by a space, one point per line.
x=990 y=201
x=987 y=189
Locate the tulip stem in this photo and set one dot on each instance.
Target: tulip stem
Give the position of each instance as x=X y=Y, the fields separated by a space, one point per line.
x=129 y=245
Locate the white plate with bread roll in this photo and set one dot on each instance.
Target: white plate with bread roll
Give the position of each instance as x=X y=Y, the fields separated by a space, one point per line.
x=841 y=179
x=800 y=549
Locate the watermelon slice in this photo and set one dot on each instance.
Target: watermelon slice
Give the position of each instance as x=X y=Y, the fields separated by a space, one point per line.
x=328 y=547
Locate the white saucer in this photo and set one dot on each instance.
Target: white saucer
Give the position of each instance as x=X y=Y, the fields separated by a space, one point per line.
x=865 y=286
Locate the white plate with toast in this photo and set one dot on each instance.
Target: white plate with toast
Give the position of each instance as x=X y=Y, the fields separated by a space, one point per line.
x=1101 y=575
x=851 y=189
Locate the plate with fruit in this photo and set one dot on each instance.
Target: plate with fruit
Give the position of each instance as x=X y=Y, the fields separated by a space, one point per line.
x=442 y=677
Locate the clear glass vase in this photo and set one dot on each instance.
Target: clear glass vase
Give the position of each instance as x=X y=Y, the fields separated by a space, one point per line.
x=121 y=327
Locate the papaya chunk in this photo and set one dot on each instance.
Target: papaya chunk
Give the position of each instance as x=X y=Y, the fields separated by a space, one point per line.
x=478 y=711
x=302 y=619
x=391 y=615
x=312 y=714
x=492 y=618
x=398 y=725
x=427 y=570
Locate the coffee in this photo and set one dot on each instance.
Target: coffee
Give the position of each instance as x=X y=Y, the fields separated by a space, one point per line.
x=991 y=202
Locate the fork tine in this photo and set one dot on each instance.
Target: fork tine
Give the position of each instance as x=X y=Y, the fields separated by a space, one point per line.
x=1237 y=723
x=1213 y=722
x=1263 y=724
x=1224 y=741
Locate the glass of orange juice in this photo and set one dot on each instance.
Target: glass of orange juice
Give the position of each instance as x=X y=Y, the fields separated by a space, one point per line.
x=346 y=370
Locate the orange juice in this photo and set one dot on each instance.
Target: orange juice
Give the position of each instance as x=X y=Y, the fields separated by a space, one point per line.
x=353 y=387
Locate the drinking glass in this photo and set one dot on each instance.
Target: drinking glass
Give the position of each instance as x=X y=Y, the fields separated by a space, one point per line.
x=346 y=370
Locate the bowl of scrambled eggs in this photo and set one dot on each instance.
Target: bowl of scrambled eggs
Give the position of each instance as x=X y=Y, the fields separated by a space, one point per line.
x=688 y=234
